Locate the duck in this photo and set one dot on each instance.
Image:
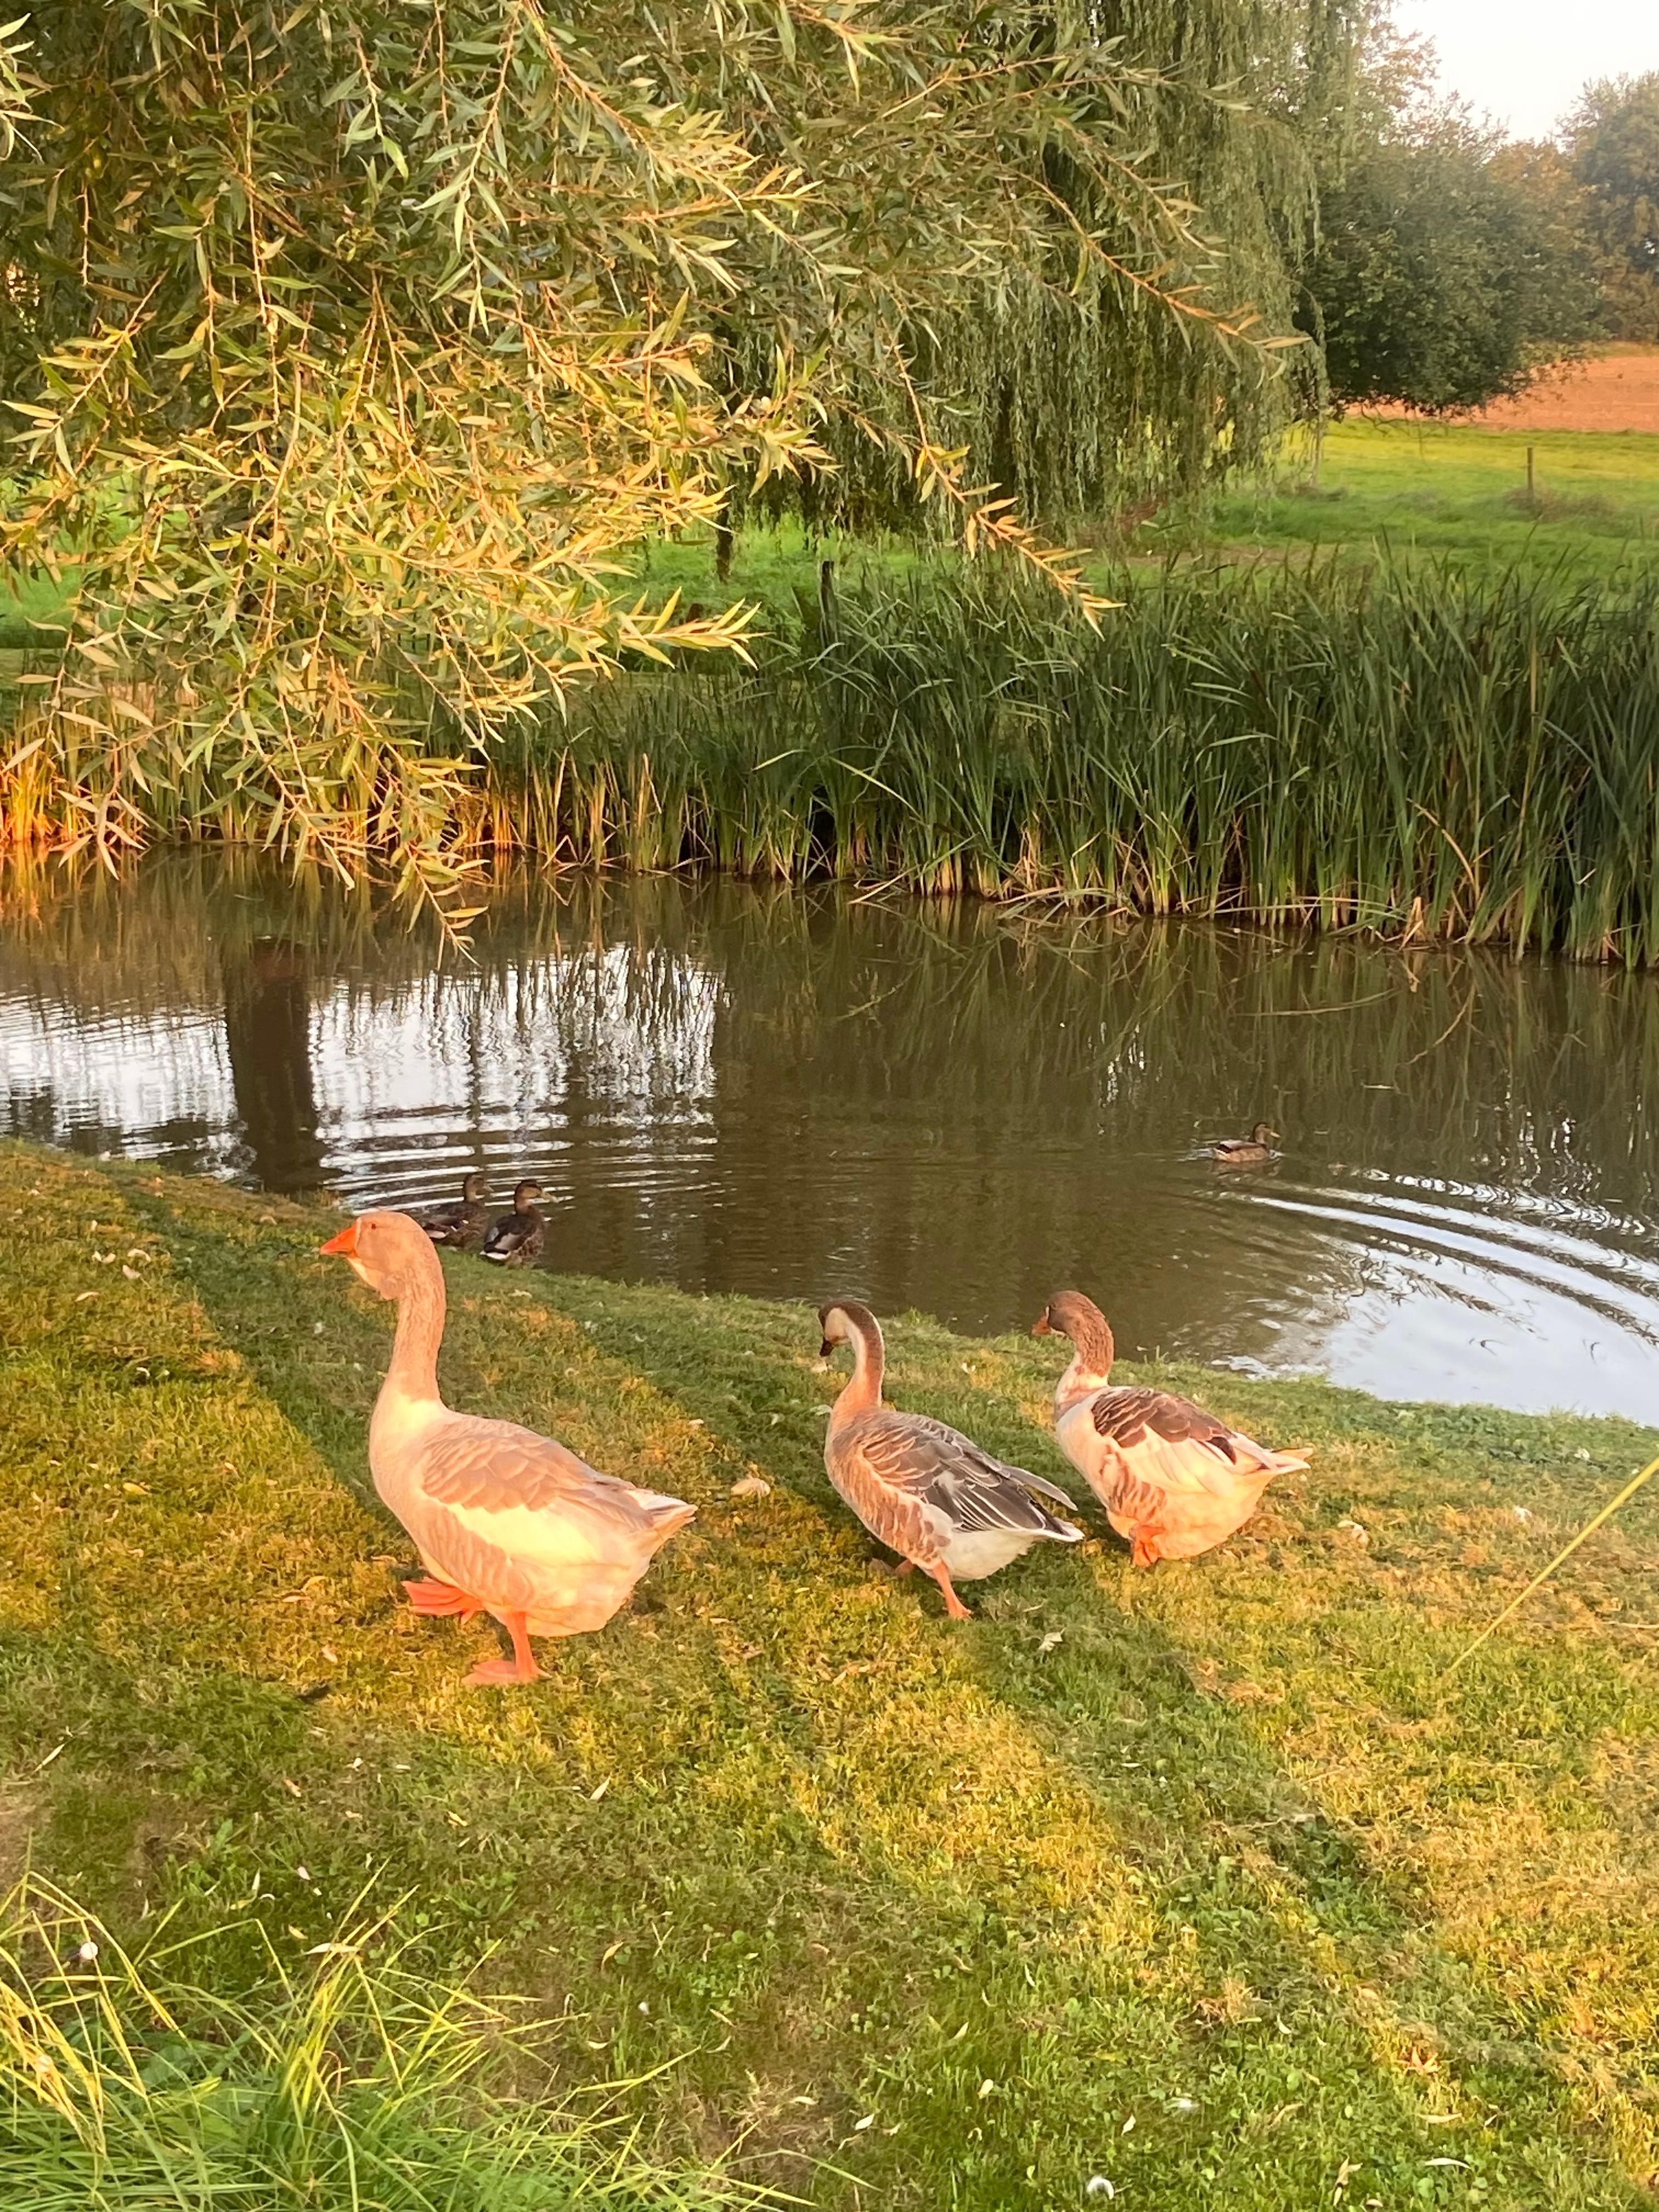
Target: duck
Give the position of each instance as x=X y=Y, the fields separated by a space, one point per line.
x=1175 y=1479
x=516 y=1238
x=1246 y=1152
x=926 y=1490
x=507 y=1523
x=462 y=1224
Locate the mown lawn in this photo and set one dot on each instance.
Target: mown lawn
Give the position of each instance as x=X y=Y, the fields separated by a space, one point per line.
x=1201 y=1881
x=1446 y=492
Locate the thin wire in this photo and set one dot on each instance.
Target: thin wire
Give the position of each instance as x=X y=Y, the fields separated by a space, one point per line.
x=1566 y=1552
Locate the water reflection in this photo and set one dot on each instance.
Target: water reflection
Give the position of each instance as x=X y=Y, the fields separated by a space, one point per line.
x=949 y=1109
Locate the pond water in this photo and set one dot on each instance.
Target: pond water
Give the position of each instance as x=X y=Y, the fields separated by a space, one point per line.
x=954 y=1109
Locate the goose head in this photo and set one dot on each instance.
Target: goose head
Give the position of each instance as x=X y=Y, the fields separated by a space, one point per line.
x=847 y=1321
x=390 y=1252
x=1068 y=1313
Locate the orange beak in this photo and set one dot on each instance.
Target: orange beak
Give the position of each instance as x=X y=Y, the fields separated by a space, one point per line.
x=1039 y=1327
x=345 y=1243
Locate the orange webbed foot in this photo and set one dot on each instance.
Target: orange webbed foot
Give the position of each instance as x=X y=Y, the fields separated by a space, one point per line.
x=439 y=1601
x=505 y=1670
x=1144 y=1549
x=520 y=1667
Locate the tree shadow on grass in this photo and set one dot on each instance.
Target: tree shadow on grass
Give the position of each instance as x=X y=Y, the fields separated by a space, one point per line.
x=1007 y=1897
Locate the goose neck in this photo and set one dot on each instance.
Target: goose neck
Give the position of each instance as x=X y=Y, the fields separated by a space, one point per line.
x=861 y=1393
x=413 y=1374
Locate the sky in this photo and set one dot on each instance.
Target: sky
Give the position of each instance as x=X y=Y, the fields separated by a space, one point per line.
x=1522 y=62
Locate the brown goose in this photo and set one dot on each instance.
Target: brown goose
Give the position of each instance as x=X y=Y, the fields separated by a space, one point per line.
x=1246 y=1152
x=924 y=1490
x=507 y=1523
x=1174 y=1480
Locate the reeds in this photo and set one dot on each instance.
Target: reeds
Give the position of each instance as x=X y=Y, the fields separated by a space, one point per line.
x=343 y=2081
x=1411 y=751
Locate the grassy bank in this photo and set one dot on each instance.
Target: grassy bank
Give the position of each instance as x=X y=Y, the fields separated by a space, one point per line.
x=1199 y=1881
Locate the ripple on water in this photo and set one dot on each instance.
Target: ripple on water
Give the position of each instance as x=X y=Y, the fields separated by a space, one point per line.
x=940 y=1108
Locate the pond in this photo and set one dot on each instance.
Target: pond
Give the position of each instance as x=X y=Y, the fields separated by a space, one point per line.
x=957 y=1108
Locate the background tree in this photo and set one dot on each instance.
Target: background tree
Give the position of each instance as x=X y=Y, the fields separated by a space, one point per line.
x=1612 y=143
x=1449 y=267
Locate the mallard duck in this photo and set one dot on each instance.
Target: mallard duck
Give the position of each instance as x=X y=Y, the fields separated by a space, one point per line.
x=462 y=1223
x=507 y=1523
x=924 y=1490
x=516 y=1238
x=1246 y=1152
x=1174 y=1480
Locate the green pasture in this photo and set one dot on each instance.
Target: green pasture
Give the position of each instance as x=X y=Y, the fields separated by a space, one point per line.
x=1207 y=1883
x=1386 y=490
x=1445 y=492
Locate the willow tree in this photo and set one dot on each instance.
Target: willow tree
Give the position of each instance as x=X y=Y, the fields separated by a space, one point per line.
x=355 y=342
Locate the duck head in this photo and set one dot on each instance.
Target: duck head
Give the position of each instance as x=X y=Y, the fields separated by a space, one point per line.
x=475 y=1187
x=1264 y=1133
x=525 y=1195
x=1068 y=1313
x=390 y=1252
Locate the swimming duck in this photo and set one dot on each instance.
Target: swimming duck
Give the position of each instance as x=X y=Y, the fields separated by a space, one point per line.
x=924 y=1490
x=507 y=1523
x=1246 y=1152
x=516 y=1238
x=462 y=1223
x=1174 y=1480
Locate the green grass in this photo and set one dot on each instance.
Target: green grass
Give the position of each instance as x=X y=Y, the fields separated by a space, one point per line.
x=1387 y=491
x=1199 y=1880
x=340 y=2080
x=1398 y=490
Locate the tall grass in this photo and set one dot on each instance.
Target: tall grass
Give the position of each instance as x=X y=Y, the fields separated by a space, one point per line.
x=1421 y=753
x=343 y=2084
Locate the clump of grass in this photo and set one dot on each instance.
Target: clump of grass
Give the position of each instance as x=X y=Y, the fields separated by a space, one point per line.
x=1418 y=754
x=127 y=2082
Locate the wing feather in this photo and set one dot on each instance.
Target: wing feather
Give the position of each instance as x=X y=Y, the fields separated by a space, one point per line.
x=950 y=1476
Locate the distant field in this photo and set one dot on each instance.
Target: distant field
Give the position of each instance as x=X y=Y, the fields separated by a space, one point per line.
x=1619 y=390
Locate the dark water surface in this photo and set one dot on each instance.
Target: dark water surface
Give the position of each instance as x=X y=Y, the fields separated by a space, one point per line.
x=950 y=1108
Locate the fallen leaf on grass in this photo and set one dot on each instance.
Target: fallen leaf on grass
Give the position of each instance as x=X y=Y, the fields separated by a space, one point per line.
x=751 y=1485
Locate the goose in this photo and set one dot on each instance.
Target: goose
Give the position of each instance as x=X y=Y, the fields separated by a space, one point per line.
x=516 y=1238
x=462 y=1224
x=507 y=1523
x=1246 y=1152
x=924 y=1490
x=1174 y=1480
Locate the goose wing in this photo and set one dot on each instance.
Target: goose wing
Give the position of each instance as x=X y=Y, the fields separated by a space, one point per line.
x=521 y=1522
x=1178 y=1447
x=946 y=1475
x=487 y=1468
